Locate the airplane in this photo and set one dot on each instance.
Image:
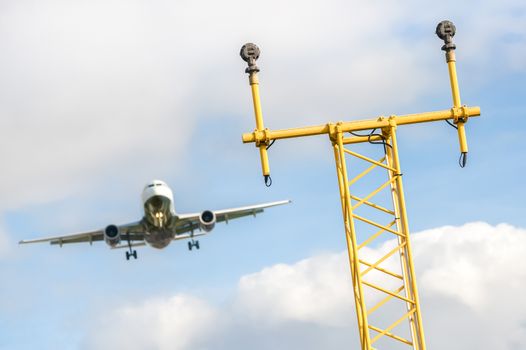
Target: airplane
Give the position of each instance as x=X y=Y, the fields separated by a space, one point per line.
x=160 y=225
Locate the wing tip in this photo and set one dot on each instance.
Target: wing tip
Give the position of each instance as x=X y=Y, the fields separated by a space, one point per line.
x=282 y=202
x=29 y=241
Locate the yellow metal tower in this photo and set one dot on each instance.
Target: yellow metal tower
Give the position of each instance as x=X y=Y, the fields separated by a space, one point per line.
x=373 y=280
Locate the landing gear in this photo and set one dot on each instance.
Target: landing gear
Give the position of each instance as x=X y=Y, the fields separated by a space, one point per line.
x=192 y=244
x=132 y=252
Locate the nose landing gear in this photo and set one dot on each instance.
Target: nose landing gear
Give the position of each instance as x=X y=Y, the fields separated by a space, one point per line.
x=192 y=244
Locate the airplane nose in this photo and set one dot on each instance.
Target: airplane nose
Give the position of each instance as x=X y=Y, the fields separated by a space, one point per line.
x=156 y=202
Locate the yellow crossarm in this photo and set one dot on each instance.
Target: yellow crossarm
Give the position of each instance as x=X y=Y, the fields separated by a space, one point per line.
x=358 y=125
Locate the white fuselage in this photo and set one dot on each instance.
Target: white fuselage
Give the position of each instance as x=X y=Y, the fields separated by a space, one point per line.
x=159 y=214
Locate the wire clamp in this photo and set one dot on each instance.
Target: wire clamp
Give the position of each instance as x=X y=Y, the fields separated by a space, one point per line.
x=392 y=121
x=262 y=137
x=460 y=114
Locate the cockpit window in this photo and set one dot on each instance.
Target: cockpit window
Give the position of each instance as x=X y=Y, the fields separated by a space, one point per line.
x=151 y=185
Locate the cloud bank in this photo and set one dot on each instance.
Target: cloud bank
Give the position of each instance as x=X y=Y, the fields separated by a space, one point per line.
x=471 y=283
x=90 y=89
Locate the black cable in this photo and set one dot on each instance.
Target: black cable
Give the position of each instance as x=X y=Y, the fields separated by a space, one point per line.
x=271 y=143
x=450 y=123
x=355 y=134
x=370 y=135
x=463 y=159
x=383 y=140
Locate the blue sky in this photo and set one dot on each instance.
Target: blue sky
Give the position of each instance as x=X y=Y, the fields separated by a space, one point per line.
x=99 y=97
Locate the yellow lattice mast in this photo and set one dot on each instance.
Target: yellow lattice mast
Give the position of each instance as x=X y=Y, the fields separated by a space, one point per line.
x=382 y=290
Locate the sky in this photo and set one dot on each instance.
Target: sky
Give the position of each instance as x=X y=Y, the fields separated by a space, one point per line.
x=97 y=98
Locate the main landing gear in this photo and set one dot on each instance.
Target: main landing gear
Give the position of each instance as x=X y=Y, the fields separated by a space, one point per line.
x=132 y=252
x=192 y=244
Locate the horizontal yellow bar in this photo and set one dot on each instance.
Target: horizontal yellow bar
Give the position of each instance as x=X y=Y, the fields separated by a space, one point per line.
x=387 y=292
x=382 y=259
x=357 y=125
x=363 y=173
x=370 y=222
x=388 y=329
x=373 y=237
x=374 y=193
x=389 y=334
x=367 y=159
x=383 y=301
x=373 y=205
x=382 y=269
x=360 y=139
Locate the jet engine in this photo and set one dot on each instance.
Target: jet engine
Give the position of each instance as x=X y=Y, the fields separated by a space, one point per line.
x=112 y=236
x=207 y=220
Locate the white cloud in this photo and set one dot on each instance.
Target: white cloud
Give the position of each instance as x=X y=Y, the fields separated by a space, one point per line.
x=178 y=322
x=477 y=264
x=91 y=89
x=303 y=292
x=471 y=279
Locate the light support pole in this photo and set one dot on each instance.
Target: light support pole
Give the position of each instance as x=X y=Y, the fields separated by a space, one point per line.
x=446 y=31
x=373 y=276
x=250 y=53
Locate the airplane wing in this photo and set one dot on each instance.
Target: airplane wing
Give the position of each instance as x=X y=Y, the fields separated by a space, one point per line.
x=190 y=222
x=177 y=237
x=135 y=231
